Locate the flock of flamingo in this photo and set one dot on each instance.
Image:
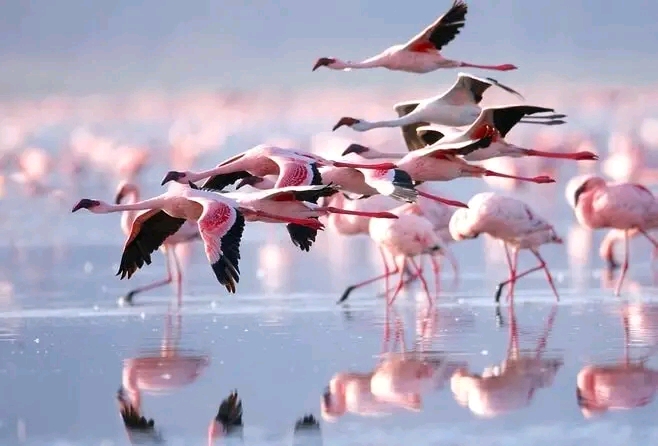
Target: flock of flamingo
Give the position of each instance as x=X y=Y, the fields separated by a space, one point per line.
x=381 y=194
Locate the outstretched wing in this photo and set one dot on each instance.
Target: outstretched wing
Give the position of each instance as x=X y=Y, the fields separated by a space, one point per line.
x=221 y=227
x=148 y=232
x=409 y=131
x=221 y=181
x=302 y=236
x=296 y=193
x=504 y=118
x=293 y=172
x=442 y=31
x=458 y=148
x=430 y=134
x=469 y=89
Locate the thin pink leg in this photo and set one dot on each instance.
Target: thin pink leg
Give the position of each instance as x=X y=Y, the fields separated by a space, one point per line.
x=549 y=278
x=518 y=276
x=624 y=266
x=543 y=339
x=160 y=283
x=351 y=288
x=178 y=275
x=503 y=67
x=423 y=282
x=515 y=264
x=650 y=238
x=513 y=343
x=387 y=272
x=436 y=269
x=541 y=179
x=400 y=285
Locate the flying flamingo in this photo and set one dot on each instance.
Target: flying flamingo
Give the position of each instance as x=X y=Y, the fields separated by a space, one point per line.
x=187 y=233
x=395 y=183
x=511 y=221
x=457 y=107
x=293 y=167
x=407 y=237
x=485 y=138
x=438 y=164
x=297 y=202
x=228 y=421
x=420 y=54
x=628 y=207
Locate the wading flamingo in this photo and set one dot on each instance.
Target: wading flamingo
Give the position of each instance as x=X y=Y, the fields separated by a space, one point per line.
x=628 y=207
x=187 y=233
x=485 y=138
x=409 y=236
x=457 y=107
x=438 y=164
x=293 y=167
x=512 y=222
x=420 y=54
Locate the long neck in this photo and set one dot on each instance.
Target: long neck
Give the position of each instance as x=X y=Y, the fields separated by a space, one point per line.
x=152 y=203
x=376 y=61
x=411 y=118
x=128 y=217
x=584 y=212
x=373 y=154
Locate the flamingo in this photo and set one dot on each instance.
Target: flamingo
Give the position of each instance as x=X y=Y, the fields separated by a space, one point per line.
x=438 y=164
x=420 y=54
x=294 y=202
x=293 y=167
x=485 y=138
x=628 y=207
x=514 y=223
x=457 y=107
x=395 y=183
x=409 y=236
x=187 y=233
x=228 y=421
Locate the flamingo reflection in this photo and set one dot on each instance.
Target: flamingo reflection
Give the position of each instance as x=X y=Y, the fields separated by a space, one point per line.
x=510 y=386
x=396 y=382
x=629 y=383
x=165 y=370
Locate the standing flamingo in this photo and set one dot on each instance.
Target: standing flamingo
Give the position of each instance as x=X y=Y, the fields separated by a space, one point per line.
x=511 y=221
x=420 y=54
x=187 y=233
x=293 y=167
x=457 y=107
x=438 y=164
x=626 y=206
x=485 y=138
x=409 y=236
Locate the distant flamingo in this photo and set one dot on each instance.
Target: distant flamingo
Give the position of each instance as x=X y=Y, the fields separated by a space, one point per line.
x=187 y=233
x=437 y=164
x=457 y=107
x=293 y=167
x=228 y=421
x=512 y=222
x=409 y=236
x=420 y=54
x=484 y=139
x=395 y=183
x=628 y=207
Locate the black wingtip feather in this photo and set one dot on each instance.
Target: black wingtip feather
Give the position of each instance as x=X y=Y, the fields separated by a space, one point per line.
x=302 y=236
x=227 y=269
x=222 y=181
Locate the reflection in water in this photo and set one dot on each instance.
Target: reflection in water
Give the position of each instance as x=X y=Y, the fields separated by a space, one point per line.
x=396 y=382
x=228 y=421
x=511 y=385
x=158 y=372
x=629 y=383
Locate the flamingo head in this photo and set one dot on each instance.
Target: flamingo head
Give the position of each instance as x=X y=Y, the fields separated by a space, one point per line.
x=91 y=205
x=324 y=62
x=356 y=148
x=579 y=185
x=125 y=188
x=179 y=177
x=346 y=120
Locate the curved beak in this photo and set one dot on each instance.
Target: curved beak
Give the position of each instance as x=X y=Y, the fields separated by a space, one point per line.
x=346 y=120
x=250 y=180
x=323 y=62
x=119 y=196
x=85 y=203
x=171 y=176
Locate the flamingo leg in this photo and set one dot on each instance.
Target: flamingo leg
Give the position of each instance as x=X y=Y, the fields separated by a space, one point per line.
x=423 y=282
x=543 y=339
x=351 y=288
x=436 y=269
x=501 y=285
x=650 y=238
x=513 y=343
x=387 y=272
x=308 y=222
x=549 y=277
x=512 y=286
x=510 y=267
x=624 y=266
x=578 y=156
x=178 y=276
x=445 y=201
x=400 y=285
x=128 y=298
x=503 y=67
x=541 y=179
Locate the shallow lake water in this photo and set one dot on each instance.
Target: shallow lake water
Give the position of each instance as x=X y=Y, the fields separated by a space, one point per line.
x=464 y=372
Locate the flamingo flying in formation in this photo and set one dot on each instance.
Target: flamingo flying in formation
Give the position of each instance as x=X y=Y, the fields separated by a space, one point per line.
x=421 y=54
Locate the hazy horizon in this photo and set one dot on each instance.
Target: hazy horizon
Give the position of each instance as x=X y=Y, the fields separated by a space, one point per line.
x=74 y=47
